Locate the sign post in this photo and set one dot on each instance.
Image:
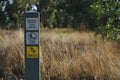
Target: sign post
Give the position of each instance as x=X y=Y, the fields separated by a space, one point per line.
x=32 y=64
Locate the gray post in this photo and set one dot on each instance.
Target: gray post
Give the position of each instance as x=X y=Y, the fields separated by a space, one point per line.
x=31 y=39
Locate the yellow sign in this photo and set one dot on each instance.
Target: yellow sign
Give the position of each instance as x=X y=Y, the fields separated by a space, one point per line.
x=32 y=52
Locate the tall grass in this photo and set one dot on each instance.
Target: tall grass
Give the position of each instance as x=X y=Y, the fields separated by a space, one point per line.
x=64 y=55
x=11 y=52
x=78 y=56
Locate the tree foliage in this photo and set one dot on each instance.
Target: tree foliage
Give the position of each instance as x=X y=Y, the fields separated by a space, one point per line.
x=107 y=18
x=80 y=11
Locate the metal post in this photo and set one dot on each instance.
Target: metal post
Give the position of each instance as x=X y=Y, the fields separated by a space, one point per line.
x=31 y=40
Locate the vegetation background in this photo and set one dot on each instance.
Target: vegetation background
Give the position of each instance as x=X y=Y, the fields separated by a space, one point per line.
x=79 y=38
x=101 y=16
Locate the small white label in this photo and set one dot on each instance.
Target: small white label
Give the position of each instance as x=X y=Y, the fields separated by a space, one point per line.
x=32 y=38
x=31 y=23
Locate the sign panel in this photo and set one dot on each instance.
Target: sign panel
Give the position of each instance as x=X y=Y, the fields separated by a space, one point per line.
x=32 y=52
x=32 y=38
x=31 y=23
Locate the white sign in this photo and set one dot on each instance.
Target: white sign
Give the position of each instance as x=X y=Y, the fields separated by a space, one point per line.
x=32 y=23
x=32 y=38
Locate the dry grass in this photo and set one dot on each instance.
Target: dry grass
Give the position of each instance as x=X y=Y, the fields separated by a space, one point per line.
x=64 y=55
x=11 y=52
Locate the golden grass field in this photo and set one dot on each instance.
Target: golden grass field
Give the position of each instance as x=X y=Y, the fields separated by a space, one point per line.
x=64 y=55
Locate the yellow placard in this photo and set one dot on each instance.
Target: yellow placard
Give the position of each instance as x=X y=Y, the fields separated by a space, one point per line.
x=32 y=51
